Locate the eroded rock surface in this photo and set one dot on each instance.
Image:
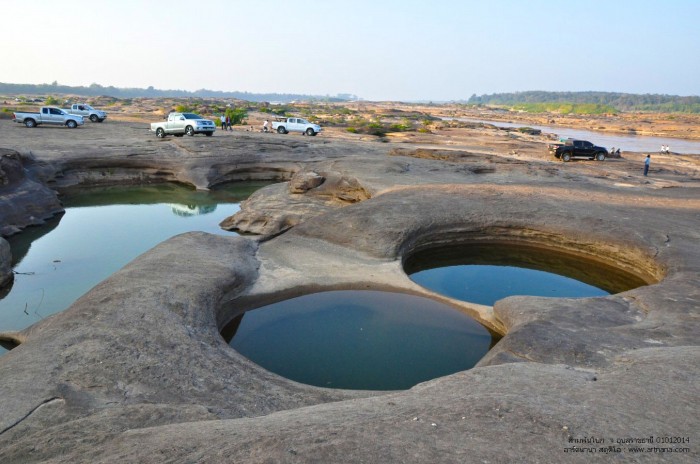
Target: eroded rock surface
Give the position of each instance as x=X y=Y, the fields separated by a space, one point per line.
x=136 y=369
x=277 y=208
x=25 y=202
x=304 y=181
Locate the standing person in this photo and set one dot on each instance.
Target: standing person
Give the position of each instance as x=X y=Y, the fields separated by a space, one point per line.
x=223 y=122
x=228 y=122
x=265 y=125
x=647 y=162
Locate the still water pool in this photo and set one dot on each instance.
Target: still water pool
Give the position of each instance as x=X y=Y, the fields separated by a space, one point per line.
x=101 y=231
x=484 y=274
x=362 y=340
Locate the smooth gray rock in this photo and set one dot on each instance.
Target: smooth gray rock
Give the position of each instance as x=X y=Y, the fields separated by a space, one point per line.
x=304 y=181
x=25 y=202
x=136 y=371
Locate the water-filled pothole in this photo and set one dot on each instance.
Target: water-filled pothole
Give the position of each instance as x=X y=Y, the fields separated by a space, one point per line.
x=486 y=273
x=101 y=231
x=362 y=340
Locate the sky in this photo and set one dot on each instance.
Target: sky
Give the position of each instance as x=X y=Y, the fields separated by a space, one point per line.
x=399 y=50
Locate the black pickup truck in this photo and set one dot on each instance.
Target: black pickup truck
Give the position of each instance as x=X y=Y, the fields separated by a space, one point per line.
x=572 y=148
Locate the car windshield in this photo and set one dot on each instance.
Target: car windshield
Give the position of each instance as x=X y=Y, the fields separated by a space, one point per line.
x=192 y=116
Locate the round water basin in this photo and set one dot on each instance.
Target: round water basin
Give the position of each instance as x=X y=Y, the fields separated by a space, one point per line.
x=486 y=273
x=363 y=340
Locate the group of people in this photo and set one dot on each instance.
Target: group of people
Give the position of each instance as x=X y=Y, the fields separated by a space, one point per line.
x=647 y=160
x=665 y=149
x=226 y=123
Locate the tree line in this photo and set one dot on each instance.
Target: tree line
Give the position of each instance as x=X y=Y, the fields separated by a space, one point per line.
x=616 y=100
x=96 y=90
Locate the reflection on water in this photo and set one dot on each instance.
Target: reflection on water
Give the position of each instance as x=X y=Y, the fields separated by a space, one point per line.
x=20 y=243
x=363 y=340
x=5 y=289
x=486 y=273
x=6 y=345
x=101 y=231
x=192 y=210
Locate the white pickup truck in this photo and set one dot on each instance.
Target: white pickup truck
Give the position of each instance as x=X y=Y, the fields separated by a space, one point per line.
x=87 y=111
x=179 y=124
x=295 y=125
x=49 y=115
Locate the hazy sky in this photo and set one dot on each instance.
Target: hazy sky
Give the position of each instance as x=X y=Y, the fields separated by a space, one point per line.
x=377 y=49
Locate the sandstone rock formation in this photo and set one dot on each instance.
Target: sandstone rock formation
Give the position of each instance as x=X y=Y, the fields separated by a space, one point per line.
x=278 y=207
x=304 y=181
x=25 y=201
x=136 y=370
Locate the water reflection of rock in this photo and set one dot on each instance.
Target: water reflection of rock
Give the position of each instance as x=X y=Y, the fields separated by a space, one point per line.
x=191 y=210
x=22 y=242
x=5 y=267
x=7 y=345
x=6 y=287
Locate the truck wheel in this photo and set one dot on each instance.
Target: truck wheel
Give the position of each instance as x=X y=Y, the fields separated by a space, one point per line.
x=566 y=157
x=30 y=123
x=160 y=133
x=280 y=130
x=189 y=131
x=93 y=118
x=310 y=131
x=600 y=156
x=72 y=124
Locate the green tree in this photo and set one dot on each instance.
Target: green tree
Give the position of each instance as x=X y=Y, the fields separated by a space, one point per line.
x=236 y=115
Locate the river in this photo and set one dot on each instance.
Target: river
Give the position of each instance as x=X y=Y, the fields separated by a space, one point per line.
x=640 y=143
